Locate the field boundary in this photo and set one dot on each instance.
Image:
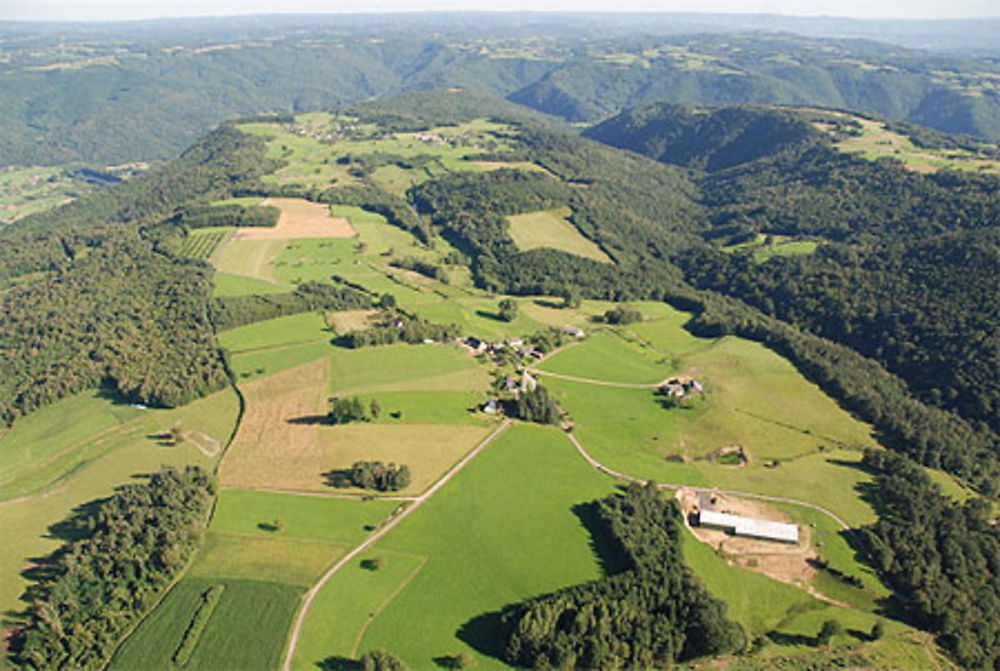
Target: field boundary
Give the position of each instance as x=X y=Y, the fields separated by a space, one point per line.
x=385 y=604
x=310 y=596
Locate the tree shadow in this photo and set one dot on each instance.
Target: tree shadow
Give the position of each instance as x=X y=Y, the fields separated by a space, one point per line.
x=338 y=477
x=484 y=634
x=608 y=552
x=545 y=303
x=310 y=420
x=781 y=638
x=269 y=527
x=495 y=316
x=334 y=663
x=162 y=439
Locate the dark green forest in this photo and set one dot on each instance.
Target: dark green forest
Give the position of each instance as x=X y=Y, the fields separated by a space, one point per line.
x=650 y=614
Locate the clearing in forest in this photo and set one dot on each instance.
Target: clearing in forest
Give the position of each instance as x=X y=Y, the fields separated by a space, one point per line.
x=552 y=228
x=299 y=219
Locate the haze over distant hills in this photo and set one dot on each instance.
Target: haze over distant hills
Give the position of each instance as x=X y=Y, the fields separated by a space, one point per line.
x=119 y=92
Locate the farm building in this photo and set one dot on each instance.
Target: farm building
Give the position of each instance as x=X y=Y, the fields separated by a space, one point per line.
x=746 y=526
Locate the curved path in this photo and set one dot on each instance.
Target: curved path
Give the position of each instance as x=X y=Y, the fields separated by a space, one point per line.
x=586 y=380
x=375 y=537
x=749 y=495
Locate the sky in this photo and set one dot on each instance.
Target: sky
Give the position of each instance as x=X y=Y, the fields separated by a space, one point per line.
x=103 y=10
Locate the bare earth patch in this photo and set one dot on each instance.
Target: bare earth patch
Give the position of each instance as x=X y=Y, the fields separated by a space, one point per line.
x=780 y=561
x=350 y=320
x=285 y=442
x=299 y=219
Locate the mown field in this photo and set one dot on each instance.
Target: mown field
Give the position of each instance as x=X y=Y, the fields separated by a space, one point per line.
x=509 y=516
x=552 y=228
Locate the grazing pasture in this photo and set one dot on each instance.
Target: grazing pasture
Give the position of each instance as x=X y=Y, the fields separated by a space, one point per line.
x=552 y=228
x=259 y=363
x=226 y=284
x=509 y=516
x=250 y=258
x=406 y=368
x=305 y=327
x=285 y=560
x=609 y=357
x=246 y=630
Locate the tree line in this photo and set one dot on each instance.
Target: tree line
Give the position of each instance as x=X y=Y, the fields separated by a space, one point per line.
x=95 y=588
x=651 y=614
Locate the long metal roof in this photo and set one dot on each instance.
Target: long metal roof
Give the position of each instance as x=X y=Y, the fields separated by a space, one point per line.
x=747 y=526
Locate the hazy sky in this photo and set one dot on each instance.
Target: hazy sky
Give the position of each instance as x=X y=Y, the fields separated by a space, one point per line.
x=139 y=9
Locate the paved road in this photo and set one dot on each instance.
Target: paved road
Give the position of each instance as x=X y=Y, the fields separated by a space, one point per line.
x=749 y=495
x=375 y=537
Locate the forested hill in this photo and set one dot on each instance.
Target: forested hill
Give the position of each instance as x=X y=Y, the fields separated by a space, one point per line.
x=906 y=270
x=101 y=95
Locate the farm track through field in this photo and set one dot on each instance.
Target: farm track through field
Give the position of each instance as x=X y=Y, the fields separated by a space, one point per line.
x=378 y=535
x=673 y=487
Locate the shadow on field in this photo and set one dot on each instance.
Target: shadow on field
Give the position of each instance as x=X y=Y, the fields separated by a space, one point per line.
x=607 y=551
x=782 y=638
x=310 y=420
x=484 y=634
x=334 y=663
x=489 y=315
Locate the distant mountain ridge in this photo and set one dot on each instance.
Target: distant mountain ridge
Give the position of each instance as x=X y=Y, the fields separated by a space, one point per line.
x=92 y=93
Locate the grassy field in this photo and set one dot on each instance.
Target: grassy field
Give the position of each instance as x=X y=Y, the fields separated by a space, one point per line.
x=607 y=356
x=250 y=258
x=766 y=247
x=244 y=632
x=305 y=327
x=551 y=228
x=405 y=368
x=79 y=450
x=253 y=365
x=875 y=140
x=518 y=494
x=226 y=284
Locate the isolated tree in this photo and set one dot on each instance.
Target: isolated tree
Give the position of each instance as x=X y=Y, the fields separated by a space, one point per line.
x=375 y=408
x=380 y=660
x=508 y=310
x=878 y=631
x=826 y=633
x=387 y=302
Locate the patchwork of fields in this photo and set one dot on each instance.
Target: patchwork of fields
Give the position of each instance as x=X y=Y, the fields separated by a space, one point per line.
x=510 y=525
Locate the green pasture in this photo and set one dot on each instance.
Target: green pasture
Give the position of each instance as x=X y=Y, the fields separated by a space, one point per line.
x=322 y=518
x=503 y=530
x=428 y=407
x=754 y=600
x=304 y=327
x=552 y=229
x=376 y=370
x=246 y=630
x=93 y=447
x=226 y=284
x=478 y=317
x=253 y=365
x=243 y=201
x=286 y=560
x=250 y=258
x=607 y=356
x=665 y=333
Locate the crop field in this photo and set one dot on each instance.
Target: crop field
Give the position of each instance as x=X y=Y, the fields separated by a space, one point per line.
x=607 y=356
x=79 y=450
x=284 y=441
x=299 y=218
x=201 y=243
x=551 y=228
x=520 y=491
x=304 y=327
x=245 y=631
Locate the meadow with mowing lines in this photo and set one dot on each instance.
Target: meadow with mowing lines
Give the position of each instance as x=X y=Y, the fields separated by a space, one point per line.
x=201 y=243
x=607 y=356
x=509 y=515
x=78 y=450
x=246 y=629
x=552 y=228
x=304 y=327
